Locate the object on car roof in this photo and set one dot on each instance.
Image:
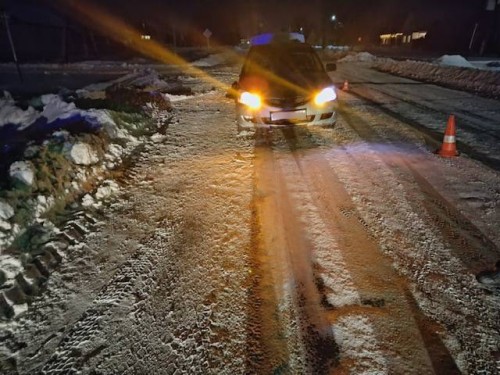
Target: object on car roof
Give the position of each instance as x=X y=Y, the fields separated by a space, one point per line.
x=268 y=38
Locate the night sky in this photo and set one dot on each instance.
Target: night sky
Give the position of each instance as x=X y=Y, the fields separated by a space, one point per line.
x=230 y=19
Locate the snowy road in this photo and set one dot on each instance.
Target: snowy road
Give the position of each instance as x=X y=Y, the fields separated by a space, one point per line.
x=346 y=250
x=427 y=107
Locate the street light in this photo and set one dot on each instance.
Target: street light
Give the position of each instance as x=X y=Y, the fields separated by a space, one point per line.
x=333 y=18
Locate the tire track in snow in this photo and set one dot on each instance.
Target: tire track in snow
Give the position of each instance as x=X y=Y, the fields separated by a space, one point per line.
x=353 y=332
x=404 y=225
x=69 y=357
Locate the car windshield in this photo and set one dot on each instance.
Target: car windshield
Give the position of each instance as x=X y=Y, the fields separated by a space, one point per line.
x=282 y=61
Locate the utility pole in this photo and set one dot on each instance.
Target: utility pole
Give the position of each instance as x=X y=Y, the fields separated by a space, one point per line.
x=323 y=16
x=12 y=46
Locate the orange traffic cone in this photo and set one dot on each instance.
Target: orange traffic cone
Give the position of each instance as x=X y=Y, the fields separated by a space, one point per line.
x=346 y=86
x=449 y=148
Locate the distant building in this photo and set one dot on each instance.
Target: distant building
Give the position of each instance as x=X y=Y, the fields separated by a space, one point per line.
x=445 y=27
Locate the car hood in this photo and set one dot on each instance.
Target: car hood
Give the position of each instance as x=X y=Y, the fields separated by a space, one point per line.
x=303 y=84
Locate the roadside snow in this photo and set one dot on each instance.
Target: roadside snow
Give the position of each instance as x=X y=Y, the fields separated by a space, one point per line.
x=5 y=225
x=454 y=60
x=82 y=154
x=358 y=57
x=211 y=60
x=6 y=211
x=22 y=171
x=176 y=98
x=11 y=114
x=10 y=267
x=478 y=81
x=106 y=190
x=53 y=108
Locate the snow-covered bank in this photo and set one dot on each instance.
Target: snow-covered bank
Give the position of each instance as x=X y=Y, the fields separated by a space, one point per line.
x=66 y=149
x=452 y=71
x=482 y=82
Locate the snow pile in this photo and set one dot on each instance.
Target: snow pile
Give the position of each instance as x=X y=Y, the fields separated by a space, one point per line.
x=359 y=57
x=176 y=98
x=11 y=114
x=106 y=190
x=82 y=154
x=212 y=60
x=66 y=150
x=454 y=60
x=483 y=82
x=151 y=81
x=6 y=211
x=23 y=172
x=54 y=108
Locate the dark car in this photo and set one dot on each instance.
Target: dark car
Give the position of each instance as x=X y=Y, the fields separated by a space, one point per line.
x=284 y=83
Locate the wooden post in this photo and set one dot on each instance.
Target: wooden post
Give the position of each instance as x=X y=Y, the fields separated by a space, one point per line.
x=12 y=46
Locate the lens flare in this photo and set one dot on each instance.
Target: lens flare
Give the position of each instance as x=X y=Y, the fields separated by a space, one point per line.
x=99 y=19
x=325 y=95
x=252 y=101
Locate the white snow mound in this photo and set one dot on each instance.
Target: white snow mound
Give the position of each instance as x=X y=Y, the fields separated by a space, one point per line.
x=6 y=211
x=83 y=154
x=211 y=60
x=55 y=107
x=359 y=57
x=22 y=171
x=11 y=114
x=454 y=60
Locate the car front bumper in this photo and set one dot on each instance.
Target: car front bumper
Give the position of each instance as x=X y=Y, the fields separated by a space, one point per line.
x=274 y=117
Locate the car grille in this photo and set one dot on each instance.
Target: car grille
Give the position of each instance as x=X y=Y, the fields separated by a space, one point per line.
x=290 y=102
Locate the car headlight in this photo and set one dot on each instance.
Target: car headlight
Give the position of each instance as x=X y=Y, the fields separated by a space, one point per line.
x=252 y=101
x=326 y=95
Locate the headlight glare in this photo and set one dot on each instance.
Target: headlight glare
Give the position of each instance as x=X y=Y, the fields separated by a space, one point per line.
x=326 y=95
x=251 y=100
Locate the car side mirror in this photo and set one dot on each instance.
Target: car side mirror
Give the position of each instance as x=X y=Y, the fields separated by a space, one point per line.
x=232 y=92
x=331 y=67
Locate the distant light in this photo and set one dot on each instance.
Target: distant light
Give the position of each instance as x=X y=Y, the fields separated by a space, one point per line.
x=334 y=17
x=145 y=37
x=418 y=35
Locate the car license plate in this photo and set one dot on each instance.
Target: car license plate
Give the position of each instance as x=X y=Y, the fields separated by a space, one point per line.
x=298 y=115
